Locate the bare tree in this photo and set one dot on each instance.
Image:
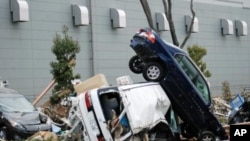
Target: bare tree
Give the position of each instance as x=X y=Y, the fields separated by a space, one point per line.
x=168 y=12
x=191 y=25
x=147 y=11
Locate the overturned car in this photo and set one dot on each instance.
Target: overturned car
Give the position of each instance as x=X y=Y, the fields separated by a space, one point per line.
x=184 y=84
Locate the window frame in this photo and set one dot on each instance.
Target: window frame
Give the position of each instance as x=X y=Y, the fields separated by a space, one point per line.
x=195 y=76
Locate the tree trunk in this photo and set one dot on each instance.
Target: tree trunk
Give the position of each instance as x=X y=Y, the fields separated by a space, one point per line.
x=147 y=12
x=168 y=13
x=191 y=25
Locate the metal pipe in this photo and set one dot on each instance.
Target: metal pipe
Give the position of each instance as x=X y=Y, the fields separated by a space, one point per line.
x=92 y=58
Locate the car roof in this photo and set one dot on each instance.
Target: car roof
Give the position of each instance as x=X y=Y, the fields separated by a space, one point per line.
x=6 y=92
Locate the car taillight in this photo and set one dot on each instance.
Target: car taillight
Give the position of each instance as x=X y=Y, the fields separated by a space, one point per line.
x=146 y=33
x=88 y=101
x=151 y=37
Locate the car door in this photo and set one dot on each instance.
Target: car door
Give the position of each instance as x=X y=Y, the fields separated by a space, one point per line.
x=186 y=99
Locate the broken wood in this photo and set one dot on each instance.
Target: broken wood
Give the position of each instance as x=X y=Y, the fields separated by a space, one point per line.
x=44 y=92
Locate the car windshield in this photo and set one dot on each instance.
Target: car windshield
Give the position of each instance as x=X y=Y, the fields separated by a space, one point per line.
x=195 y=76
x=16 y=104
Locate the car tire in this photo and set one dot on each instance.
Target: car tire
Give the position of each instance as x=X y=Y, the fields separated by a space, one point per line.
x=153 y=71
x=206 y=136
x=3 y=133
x=136 y=64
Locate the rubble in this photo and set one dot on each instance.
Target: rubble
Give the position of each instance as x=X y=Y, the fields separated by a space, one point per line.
x=59 y=113
x=66 y=127
x=221 y=109
x=43 y=136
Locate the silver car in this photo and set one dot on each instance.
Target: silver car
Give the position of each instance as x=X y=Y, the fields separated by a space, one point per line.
x=19 y=119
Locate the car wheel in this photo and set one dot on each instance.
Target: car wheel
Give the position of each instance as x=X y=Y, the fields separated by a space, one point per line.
x=136 y=64
x=206 y=136
x=3 y=133
x=153 y=71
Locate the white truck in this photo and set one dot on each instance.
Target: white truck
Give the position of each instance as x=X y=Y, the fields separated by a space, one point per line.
x=141 y=108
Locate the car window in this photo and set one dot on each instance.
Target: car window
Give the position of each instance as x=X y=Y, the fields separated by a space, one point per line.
x=195 y=76
x=16 y=104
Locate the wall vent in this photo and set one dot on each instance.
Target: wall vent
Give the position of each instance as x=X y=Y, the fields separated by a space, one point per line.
x=19 y=10
x=241 y=28
x=226 y=27
x=188 y=21
x=161 y=22
x=118 y=18
x=80 y=15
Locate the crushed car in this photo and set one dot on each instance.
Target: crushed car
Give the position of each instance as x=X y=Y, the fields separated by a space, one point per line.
x=19 y=119
x=182 y=81
x=132 y=111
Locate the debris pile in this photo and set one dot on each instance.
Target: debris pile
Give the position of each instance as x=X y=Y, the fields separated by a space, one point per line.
x=66 y=123
x=221 y=107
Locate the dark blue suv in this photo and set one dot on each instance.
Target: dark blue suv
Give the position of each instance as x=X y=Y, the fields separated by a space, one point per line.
x=182 y=81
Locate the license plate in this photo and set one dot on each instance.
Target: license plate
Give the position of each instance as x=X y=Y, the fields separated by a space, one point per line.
x=93 y=123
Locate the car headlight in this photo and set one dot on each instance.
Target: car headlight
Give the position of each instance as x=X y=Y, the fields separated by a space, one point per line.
x=16 y=125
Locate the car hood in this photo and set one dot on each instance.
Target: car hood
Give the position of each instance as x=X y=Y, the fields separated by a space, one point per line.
x=24 y=118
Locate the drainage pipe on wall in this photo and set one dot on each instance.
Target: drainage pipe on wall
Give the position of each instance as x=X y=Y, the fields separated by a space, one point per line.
x=91 y=40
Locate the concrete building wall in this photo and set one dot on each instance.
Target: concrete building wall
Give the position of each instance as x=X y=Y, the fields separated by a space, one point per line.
x=25 y=50
x=227 y=55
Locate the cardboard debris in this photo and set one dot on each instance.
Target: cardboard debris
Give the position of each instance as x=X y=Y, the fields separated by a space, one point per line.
x=96 y=81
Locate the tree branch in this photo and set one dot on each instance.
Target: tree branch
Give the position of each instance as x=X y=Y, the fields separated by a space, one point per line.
x=147 y=11
x=168 y=13
x=191 y=25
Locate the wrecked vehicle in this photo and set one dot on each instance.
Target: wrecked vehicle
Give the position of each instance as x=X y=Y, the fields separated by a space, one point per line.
x=183 y=82
x=19 y=119
x=240 y=110
x=152 y=55
x=123 y=112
